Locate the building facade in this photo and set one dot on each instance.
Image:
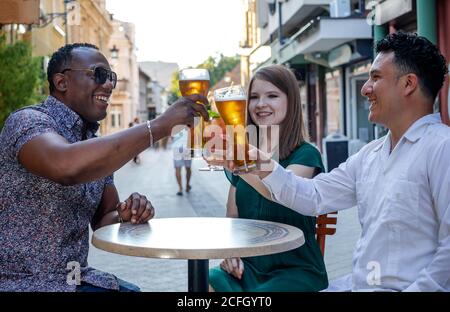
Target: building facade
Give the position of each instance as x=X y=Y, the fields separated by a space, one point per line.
x=124 y=102
x=152 y=97
x=329 y=46
x=161 y=74
x=89 y=21
x=144 y=110
x=49 y=38
x=317 y=41
x=45 y=36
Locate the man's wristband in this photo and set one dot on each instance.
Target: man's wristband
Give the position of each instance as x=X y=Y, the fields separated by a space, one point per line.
x=149 y=127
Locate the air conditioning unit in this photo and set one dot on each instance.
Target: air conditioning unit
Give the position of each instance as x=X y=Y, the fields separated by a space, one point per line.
x=340 y=8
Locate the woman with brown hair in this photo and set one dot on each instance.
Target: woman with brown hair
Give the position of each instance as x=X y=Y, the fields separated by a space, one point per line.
x=274 y=100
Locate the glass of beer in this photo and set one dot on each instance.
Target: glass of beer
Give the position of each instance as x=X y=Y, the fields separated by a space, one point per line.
x=231 y=102
x=194 y=81
x=213 y=130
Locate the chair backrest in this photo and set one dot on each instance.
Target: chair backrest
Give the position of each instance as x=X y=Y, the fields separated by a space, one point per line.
x=322 y=230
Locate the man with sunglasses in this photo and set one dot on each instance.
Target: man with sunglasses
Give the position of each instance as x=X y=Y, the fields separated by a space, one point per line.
x=56 y=176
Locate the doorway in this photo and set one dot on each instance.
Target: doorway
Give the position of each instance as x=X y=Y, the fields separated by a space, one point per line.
x=363 y=129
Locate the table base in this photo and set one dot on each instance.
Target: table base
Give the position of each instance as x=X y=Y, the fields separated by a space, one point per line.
x=198 y=273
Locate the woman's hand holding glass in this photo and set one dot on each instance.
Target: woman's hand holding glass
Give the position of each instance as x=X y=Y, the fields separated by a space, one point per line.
x=212 y=128
x=263 y=160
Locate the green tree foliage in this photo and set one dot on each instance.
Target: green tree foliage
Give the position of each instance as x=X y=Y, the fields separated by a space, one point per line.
x=174 y=92
x=21 y=77
x=218 y=66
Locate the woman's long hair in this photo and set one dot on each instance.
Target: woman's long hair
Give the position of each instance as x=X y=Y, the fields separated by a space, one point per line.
x=292 y=128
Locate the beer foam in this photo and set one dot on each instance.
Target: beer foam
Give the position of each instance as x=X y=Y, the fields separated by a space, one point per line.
x=227 y=98
x=194 y=79
x=193 y=74
x=232 y=93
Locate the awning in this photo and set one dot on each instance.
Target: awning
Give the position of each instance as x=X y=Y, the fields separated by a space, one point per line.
x=324 y=34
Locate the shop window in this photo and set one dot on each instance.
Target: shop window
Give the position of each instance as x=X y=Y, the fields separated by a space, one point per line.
x=333 y=83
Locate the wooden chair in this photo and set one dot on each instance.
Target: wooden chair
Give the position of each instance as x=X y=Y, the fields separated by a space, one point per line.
x=322 y=230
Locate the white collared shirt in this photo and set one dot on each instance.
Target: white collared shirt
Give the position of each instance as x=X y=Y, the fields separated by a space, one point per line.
x=403 y=201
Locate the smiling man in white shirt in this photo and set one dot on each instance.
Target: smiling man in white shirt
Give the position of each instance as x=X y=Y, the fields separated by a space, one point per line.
x=399 y=183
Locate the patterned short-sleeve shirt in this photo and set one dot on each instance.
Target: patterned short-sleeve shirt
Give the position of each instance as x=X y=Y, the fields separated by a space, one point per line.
x=44 y=226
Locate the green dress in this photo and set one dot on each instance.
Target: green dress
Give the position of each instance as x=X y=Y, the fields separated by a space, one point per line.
x=301 y=269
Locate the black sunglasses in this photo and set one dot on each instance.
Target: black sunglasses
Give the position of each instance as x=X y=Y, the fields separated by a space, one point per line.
x=100 y=74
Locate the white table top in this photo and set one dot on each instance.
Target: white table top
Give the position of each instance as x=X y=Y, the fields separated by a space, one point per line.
x=198 y=238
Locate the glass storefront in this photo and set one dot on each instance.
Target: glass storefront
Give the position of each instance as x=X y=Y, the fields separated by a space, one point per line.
x=333 y=85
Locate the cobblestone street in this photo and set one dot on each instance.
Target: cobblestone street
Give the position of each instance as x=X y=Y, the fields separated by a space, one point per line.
x=155 y=178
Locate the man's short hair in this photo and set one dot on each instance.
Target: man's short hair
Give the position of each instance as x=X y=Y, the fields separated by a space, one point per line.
x=416 y=54
x=61 y=59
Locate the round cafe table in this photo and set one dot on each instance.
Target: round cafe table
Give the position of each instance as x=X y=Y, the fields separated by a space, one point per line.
x=198 y=240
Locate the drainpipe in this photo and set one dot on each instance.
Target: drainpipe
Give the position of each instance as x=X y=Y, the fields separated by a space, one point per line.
x=379 y=32
x=426 y=19
x=280 y=23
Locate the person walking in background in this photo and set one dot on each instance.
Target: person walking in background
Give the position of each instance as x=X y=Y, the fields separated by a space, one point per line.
x=181 y=158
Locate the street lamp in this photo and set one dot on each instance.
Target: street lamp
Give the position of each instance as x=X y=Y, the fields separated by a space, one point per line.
x=114 y=52
x=272 y=6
